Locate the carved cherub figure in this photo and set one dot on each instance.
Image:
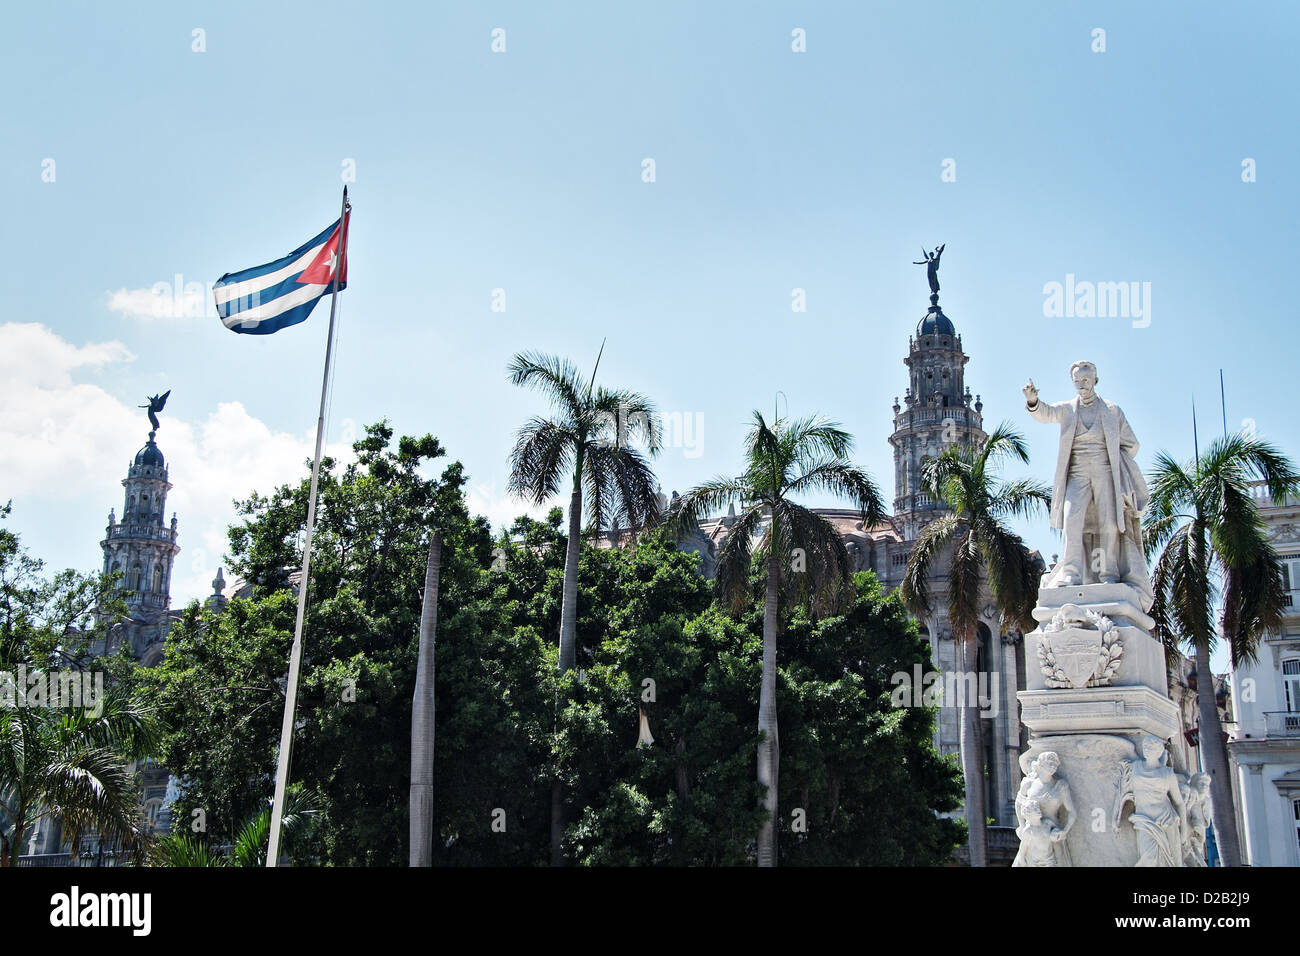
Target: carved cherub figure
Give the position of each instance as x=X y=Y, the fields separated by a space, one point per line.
x=1038 y=838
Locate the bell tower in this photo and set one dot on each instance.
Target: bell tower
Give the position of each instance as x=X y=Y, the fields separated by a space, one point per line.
x=937 y=410
x=143 y=549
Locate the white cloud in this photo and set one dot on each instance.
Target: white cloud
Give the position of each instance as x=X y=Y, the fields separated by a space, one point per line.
x=483 y=498
x=64 y=441
x=177 y=299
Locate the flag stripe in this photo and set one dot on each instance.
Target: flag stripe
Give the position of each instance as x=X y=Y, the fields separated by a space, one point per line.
x=300 y=295
x=275 y=323
x=225 y=291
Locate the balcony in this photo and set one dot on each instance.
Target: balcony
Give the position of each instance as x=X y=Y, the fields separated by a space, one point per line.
x=1283 y=724
x=1259 y=491
x=149 y=531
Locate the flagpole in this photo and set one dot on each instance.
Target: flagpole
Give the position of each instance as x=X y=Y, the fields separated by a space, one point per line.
x=295 y=655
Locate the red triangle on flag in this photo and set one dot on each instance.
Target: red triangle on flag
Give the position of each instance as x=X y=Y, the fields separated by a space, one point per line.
x=321 y=270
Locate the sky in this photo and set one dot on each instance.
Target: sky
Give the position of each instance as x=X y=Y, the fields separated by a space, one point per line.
x=150 y=146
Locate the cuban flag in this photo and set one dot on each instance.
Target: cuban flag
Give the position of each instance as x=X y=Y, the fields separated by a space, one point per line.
x=266 y=299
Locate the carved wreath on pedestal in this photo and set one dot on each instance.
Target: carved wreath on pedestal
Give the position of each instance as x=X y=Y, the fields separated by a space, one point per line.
x=1079 y=648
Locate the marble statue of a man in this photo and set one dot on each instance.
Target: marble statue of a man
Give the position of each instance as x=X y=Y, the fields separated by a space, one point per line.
x=1098 y=492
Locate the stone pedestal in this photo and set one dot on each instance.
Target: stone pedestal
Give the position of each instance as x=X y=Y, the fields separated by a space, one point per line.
x=1095 y=689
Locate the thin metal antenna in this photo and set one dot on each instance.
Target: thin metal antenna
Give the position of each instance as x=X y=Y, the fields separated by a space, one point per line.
x=592 y=384
x=1196 y=442
x=1223 y=405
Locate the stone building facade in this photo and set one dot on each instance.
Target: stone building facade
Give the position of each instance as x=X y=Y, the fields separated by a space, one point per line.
x=1264 y=746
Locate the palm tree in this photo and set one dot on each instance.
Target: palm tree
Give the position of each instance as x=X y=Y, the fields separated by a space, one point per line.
x=1212 y=546
x=422 y=711
x=783 y=460
x=250 y=844
x=981 y=547
x=74 y=764
x=587 y=440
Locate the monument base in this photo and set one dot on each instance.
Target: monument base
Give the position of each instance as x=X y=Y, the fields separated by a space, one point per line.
x=1096 y=697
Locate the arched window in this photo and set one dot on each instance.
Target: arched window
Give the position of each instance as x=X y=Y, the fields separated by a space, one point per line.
x=133 y=580
x=157 y=578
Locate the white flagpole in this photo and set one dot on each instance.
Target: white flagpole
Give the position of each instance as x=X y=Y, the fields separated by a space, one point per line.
x=295 y=655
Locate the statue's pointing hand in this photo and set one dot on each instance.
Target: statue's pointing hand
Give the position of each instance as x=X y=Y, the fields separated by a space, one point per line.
x=1031 y=393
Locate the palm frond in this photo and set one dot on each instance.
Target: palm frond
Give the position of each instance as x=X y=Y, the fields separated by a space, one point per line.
x=1023 y=498
x=630 y=416
x=823 y=575
x=558 y=378
x=1003 y=442
x=731 y=578
x=845 y=481
x=926 y=552
x=543 y=454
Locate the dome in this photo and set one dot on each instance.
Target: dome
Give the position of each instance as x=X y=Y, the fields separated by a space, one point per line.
x=934 y=322
x=150 y=455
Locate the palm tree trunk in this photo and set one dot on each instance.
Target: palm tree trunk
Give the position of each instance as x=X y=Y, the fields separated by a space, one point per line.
x=12 y=847
x=769 y=750
x=568 y=645
x=569 y=606
x=422 y=715
x=1214 y=754
x=972 y=755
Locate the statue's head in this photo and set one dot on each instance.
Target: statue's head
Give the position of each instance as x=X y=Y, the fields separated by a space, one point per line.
x=1033 y=813
x=1152 y=747
x=1084 y=376
x=1047 y=763
x=1201 y=783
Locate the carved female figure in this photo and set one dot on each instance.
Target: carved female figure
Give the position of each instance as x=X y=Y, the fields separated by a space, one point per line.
x=1198 y=818
x=1051 y=793
x=1159 y=815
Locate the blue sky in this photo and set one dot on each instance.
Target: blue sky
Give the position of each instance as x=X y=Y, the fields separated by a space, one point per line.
x=522 y=171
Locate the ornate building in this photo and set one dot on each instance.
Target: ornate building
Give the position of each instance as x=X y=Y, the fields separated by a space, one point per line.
x=143 y=549
x=937 y=410
x=1264 y=750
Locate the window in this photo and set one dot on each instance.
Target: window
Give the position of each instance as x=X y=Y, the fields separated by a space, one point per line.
x=157 y=578
x=1295 y=811
x=133 y=583
x=1291 y=684
x=1290 y=579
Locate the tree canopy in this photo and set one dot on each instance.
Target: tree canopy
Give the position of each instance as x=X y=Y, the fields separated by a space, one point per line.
x=866 y=774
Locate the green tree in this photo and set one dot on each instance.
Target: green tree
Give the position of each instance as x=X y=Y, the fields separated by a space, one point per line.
x=588 y=441
x=1212 y=547
x=864 y=772
x=220 y=684
x=804 y=552
x=978 y=544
